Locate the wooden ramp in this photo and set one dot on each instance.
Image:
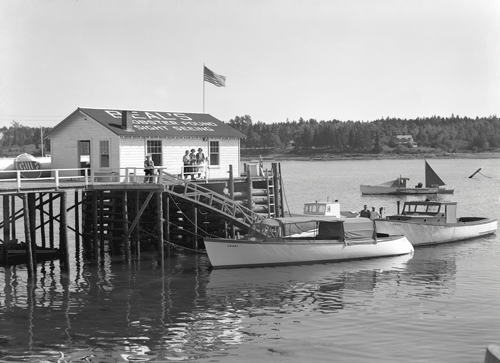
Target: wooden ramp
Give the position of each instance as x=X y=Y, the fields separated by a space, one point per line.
x=230 y=210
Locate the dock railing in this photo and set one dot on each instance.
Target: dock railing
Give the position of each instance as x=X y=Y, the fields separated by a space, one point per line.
x=83 y=177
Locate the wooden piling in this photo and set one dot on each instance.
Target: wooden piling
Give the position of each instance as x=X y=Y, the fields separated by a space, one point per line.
x=249 y=188
x=6 y=226
x=477 y=171
x=51 y=220
x=63 y=232
x=125 y=226
x=32 y=216
x=42 y=220
x=101 y=221
x=137 y=230
x=231 y=194
x=166 y=220
x=95 y=224
x=27 y=235
x=195 y=222
x=13 y=218
x=77 y=220
x=159 y=215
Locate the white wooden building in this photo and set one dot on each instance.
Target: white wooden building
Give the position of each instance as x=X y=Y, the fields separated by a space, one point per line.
x=111 y=140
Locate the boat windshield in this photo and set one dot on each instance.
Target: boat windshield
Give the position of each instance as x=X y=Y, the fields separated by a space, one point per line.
x=262 y=230
x=421 y=208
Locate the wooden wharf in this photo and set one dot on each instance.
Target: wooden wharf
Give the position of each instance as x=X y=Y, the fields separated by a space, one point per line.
x=118 y=213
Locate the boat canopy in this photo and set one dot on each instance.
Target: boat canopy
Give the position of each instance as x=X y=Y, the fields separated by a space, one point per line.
x=315 y=227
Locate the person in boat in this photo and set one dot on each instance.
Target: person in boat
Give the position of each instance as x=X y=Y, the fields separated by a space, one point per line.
x=149 y=166
x=374 y=214
x=365 y=212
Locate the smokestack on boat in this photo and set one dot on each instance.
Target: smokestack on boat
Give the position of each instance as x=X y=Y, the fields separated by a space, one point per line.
x=127 y=121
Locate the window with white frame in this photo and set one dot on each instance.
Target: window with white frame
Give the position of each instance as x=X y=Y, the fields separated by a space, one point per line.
x=214 y=153
x=104 y=153
x=153 y=148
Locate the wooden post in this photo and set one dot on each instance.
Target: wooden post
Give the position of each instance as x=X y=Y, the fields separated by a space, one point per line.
x=77 y=220
x=13 y=219
x=29 y=248
x=166 y=221
x=42 y=220
x=278 y=210
x=6 y=226
x=125 y=227
x=137 y=229
x=231 y=194
x=63 y=232
x=195 y=221
x=101 y=221
x=159 y=213
x=51 y=220
x=95 y=224
x=249 y=188
x=477 y=171
x=32 y=219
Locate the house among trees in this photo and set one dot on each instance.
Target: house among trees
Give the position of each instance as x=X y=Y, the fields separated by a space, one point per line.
x=108 y=140
x=404 y=140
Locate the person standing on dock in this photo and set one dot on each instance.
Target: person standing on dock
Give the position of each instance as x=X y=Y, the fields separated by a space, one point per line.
x=186 y=161
x=192 y=161
x=200 y=161
x=149 y=166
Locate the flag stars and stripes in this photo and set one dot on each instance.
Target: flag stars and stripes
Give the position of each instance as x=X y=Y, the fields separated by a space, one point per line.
x=214 y=78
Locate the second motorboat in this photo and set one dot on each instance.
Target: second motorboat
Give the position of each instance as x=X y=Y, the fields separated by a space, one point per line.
x=429 y=222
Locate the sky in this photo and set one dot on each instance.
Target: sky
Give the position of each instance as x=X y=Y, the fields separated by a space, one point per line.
x=358 y=60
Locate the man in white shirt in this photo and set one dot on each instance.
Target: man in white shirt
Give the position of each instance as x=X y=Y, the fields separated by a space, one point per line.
x=374 y=214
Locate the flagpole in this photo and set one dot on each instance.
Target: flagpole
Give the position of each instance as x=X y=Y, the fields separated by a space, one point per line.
x=203 y=78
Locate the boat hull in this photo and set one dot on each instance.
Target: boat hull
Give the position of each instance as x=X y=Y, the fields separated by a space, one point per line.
x=225 y=253
x=380 y=190
x=421 y=233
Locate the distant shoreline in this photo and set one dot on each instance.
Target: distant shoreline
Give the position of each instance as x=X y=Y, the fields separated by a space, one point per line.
x=357 y=156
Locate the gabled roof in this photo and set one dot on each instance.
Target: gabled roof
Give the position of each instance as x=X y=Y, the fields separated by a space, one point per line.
x=158 y=123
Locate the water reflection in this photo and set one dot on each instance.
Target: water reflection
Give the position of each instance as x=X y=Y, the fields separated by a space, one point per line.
x=319 y=286
x=111 y=310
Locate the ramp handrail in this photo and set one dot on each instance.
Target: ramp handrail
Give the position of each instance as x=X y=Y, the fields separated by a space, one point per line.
x=240 y=214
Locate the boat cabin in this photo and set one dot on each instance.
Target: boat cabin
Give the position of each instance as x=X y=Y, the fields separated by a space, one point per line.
x=441 y=211
x=317 y=228
x=322 y=209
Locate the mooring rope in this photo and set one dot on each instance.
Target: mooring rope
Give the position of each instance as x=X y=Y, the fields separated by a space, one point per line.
x=284 y=194
x=189 y=219
x=489 y=177
x=176 y=246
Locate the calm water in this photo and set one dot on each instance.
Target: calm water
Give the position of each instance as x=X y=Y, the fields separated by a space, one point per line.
x=438 y=305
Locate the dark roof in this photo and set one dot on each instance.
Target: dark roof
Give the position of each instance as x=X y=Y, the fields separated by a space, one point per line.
x=160 y=123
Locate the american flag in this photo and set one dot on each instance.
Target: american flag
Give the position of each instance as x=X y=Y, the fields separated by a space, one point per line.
x=214 y=78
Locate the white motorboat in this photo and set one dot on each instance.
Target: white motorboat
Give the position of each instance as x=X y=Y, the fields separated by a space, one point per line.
x=427 y=223
x=433 y=185
x=304 y=239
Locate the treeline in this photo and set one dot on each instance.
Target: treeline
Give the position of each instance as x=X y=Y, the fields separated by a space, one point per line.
x=19 y=136
x=451 y=134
